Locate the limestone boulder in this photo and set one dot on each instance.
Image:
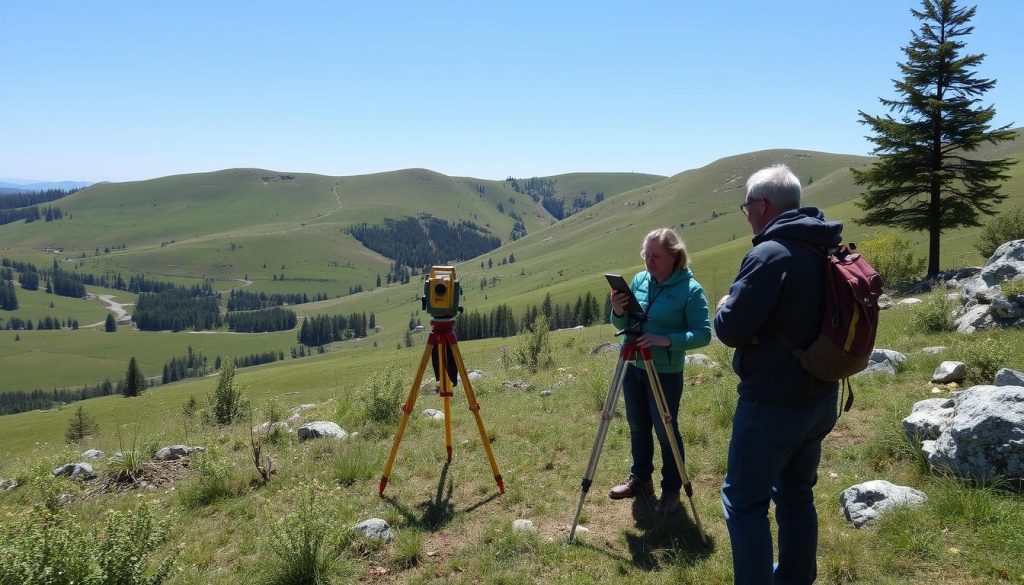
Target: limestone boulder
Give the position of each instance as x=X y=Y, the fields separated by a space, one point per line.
x=928 y=418
x=949 y=371
x=865 y=503
x=985 y=435
x=321 y=429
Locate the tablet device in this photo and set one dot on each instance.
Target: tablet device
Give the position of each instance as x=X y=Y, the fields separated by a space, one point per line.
x=620 y=286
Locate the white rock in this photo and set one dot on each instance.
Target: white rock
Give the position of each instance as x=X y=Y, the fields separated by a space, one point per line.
x=1008 y=377
x=375 y=529
x=985 y=436
x=909 y=301
x=93 y=454
x=700 y=359
x=75 y=470
x=933 y=349
x=434 y=414
x=879 y=355
x=475 y=375
x=975 y=318
x=928 y=418
x=949 y=371
x=523 y=526
x=174 y=452
x=321 y=429
x=865 y=503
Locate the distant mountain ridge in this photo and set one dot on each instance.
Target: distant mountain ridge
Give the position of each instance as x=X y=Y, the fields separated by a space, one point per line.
x=30 y=185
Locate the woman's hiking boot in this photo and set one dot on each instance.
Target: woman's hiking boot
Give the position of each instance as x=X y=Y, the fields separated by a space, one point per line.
x=632 y=487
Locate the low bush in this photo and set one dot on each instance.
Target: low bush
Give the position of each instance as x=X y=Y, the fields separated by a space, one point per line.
x=533 y=347
x=382 y=401
x=892 y=258
x=299 y=546
x=934 y=315
x=1004 y=227
x=983 y=359
x=214 y=481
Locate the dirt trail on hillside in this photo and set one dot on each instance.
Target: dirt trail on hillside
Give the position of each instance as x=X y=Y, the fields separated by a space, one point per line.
x=117 y=309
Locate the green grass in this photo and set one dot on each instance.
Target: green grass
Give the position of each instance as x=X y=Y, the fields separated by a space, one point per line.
x=453 y=527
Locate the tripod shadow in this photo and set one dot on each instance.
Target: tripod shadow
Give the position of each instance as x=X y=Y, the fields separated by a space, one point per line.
x=431 y=515
x=665 y=539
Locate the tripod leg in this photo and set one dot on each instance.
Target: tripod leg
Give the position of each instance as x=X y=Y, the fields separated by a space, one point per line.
x=666 y=420
x=474 y=407
x=443 y=353
x=410 y=403
x=610 y=402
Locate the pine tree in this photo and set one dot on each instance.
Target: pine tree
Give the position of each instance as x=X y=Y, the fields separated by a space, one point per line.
x=81 y=426
x=227 y=401
x=924 y=180
x=110 y=325
x=134 y=382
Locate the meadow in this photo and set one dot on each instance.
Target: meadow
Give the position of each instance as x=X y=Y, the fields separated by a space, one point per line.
x=450 y=522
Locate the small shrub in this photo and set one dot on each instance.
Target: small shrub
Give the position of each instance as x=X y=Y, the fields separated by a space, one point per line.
x=227 y=402
x=124 y=549
x=214 y=481
x=891 y=257
x=934 y=315
x=533 y=347
x=982 y=358
x=299 y=546
x=1004 y=227
x=382 y=401
x=44 y=546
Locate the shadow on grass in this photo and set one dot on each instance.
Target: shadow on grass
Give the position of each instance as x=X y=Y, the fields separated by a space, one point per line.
x=431 y=515
x=665 y=539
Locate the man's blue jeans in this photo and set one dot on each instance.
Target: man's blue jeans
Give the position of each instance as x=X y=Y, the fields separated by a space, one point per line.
x=774 y=455
x=642 y=414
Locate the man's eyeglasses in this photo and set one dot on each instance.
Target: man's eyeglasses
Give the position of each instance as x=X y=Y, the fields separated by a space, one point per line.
x=743 y=206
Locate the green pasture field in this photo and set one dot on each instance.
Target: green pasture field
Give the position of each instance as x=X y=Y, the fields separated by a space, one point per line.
x=450 y=522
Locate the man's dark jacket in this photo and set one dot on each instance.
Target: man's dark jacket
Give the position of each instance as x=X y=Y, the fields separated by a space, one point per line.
x=781 y=284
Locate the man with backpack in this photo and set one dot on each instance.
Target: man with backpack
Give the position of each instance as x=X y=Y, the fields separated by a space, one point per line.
x=774 y=309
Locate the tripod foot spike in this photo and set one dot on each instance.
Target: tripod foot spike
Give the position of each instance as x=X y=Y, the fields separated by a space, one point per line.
x=500 y=482
x=383 y=484
x=449 y=453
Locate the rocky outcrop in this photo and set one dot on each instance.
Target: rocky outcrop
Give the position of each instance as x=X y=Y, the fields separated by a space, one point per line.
x=984 y=437
x=883 y=361
x=1008 y=377
x=984 y=305
x=75 y=470
x=928 y=419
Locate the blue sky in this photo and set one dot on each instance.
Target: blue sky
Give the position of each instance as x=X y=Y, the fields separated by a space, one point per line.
x=127 y=91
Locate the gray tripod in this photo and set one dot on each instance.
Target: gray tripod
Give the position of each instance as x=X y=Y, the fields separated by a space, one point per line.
x=630 y=351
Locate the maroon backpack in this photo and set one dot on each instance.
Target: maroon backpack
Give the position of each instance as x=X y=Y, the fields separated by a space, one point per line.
x=849 y=318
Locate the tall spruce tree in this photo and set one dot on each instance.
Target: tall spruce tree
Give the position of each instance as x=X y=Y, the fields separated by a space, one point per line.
x=924 y=179
x=110 y=325
x=134 y=382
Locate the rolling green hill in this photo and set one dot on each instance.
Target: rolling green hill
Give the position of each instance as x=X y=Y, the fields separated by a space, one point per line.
x=294 y=226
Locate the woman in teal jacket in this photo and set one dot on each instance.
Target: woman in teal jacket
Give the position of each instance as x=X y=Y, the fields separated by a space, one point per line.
x=677 y=320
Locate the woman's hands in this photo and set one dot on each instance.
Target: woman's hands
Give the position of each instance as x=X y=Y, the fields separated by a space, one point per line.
x=648 y=340
x=619 y=302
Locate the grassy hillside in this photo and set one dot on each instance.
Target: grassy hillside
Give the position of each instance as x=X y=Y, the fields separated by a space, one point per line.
x=450 y=523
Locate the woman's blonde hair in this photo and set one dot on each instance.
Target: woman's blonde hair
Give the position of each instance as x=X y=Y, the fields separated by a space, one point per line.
x=670 y=240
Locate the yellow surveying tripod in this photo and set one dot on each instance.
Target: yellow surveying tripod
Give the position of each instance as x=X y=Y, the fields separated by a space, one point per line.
x=631 y=351
x=441 y=292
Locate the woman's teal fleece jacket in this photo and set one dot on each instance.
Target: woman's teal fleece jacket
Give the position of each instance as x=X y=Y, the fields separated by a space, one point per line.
x=679 y=310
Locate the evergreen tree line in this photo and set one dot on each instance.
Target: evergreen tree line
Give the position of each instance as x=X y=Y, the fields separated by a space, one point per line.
x=191 y=365
x=35 y=198
x=256 y=359
x=323 y=329
x=176 y=309
x=50 y=323
x=419 y=242
x=58 y=281
x=262 y=320
x=24 y=401
x=501 y=322
x=29 y=214
x=8 y=298
x=240 y=300
x=137 y=283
